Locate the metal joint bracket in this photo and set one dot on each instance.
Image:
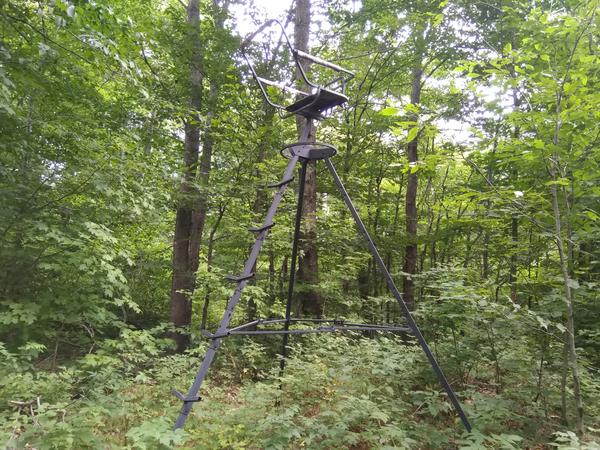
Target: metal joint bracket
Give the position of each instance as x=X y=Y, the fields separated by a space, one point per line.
x=185 y=399
x=242 y=277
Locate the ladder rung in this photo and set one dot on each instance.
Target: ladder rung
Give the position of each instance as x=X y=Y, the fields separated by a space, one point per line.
x=262 y=228
x=185 y=399
x=237 y=279
x=281 y=183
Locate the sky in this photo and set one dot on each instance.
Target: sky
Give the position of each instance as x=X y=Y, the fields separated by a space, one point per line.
x=265 y=9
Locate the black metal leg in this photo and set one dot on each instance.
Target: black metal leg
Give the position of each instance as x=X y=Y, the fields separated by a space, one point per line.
x=288 y=306
x=390 y=282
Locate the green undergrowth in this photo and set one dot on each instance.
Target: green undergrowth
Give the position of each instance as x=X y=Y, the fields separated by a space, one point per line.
x=337 y=392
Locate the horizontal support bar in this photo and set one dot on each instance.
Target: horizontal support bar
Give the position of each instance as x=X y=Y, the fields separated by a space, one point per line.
x=246 y=325
x=322 y=62
x=239 y=331
x=311 y=320
x=329 y=329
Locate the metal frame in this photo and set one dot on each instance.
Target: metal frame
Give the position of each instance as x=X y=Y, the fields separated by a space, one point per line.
x=344 y=75
x=303 y=152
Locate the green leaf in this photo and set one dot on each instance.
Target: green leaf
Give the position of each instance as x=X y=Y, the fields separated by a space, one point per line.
x=412 y=134
x=388 y=185
x=389 y=111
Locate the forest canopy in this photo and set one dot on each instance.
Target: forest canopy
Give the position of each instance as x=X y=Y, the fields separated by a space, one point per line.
x=135 y=153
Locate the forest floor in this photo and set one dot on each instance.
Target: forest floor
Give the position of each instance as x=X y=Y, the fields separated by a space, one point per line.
x=337 y=392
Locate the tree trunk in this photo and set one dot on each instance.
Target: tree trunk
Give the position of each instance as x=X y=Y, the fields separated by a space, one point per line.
x=201 y=203
x=308 y=263
x=567 y=281
x=183 y=275
x=489 y=175
x=512 y=273
x=410 y=252
x=209 y=261
x=565 y=258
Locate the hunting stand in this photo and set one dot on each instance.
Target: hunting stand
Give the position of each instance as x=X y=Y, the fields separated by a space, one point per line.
x=311 y=106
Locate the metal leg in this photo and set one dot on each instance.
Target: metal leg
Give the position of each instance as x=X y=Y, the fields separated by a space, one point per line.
x=390 y=282
x=288 y=306
x=192 y=394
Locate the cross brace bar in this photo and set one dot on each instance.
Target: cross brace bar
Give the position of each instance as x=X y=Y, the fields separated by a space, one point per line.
x=321 y=329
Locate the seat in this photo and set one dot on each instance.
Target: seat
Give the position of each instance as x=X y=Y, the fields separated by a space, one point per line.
x=313 y=105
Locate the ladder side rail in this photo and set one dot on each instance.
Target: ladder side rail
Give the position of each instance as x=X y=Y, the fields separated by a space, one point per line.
x=235 y=298
x=392 y=286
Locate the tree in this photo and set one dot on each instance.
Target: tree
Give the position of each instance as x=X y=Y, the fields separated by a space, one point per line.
x=308 y=263
x=188 y=223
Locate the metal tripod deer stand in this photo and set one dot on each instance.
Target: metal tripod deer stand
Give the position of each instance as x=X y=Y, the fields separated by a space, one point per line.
x=311 y=107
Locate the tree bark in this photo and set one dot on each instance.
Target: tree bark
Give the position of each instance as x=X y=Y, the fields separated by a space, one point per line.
x=308 y=263
x=183 y=276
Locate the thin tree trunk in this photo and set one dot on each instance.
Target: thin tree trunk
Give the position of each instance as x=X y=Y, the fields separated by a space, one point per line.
x=564 y=266
x=490 y=180
x=410 y=251
x=209 y=260
x=438 y=220
x=565 y=259
x=512 y=275
x=201 y=205
x=563 y=382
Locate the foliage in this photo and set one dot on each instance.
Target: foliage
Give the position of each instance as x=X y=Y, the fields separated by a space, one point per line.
x=93 y=100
